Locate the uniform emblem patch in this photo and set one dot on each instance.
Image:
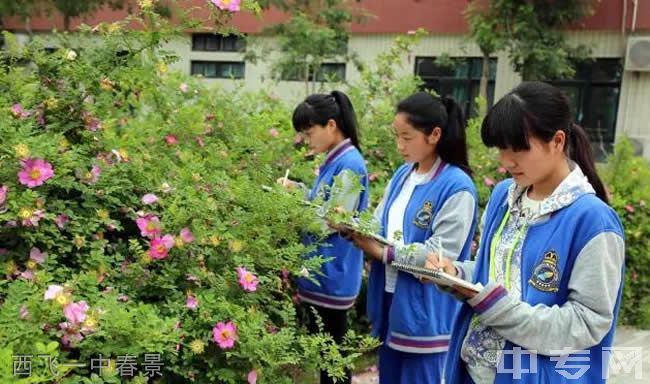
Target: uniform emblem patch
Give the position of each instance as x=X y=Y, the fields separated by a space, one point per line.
x=424 y=215
x=546 y=276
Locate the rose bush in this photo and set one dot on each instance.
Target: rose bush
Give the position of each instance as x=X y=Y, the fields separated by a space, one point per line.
x=136 y=241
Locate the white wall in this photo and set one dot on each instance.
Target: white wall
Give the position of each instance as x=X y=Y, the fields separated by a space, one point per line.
x=633 y=117
x=256 y=76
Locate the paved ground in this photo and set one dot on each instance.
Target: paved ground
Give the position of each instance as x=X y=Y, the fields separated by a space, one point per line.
x=629 y=366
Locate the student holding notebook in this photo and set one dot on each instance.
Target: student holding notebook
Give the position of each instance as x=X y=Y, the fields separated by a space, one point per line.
x=329 y=124
x=430 y=204
x=551 y=255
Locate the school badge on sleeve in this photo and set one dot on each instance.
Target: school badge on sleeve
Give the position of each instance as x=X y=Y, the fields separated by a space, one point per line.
x=424 y=215
x=546 y=276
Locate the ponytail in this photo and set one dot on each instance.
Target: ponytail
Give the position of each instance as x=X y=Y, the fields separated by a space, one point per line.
x=424 y=113
x=347 y=122
x=580 y=151
x=453 y=144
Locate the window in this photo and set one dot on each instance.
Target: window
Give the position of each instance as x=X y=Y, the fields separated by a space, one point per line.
x=593 y=93
x=331 y=72
x=218 y=69
x=215 y=42
x=327 y=72
x=460 y=78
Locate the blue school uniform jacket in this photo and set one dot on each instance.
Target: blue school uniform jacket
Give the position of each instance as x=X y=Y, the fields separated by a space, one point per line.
x=420 y=318
x=560 y=306
x=340 y=283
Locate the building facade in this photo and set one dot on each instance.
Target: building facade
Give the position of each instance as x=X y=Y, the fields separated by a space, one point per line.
x=610 y=97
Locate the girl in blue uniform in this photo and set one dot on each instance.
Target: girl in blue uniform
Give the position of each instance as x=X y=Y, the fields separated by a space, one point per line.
x=429 y=204
x=550 y=259
x=329 y=124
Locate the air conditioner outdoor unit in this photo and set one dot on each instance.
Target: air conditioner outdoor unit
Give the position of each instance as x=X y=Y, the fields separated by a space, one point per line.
x=637 y=57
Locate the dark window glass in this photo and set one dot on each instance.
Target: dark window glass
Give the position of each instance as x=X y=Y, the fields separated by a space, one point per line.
x=216 y=42
x=327 y=72
x=593 y=93
x=218 y=69
x=459 y=77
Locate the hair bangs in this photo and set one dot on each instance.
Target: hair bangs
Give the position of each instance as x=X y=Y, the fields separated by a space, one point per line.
x=507 y=125
x=304 y=116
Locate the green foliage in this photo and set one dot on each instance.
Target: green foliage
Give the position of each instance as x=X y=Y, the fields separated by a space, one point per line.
x=628 y=181
x=205 y=153
x=483 y=27
x=316 y=32
x=21 y=8
x=72 y=8
x=305 y=46
x=530 y=31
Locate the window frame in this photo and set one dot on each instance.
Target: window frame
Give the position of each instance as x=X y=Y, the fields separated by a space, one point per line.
x=319 y=77
x=469 y=81
x=585 y=84
x=217 y=63
x=200 y=42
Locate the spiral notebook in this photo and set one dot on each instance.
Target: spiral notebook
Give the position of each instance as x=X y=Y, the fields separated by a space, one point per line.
x=438 y=277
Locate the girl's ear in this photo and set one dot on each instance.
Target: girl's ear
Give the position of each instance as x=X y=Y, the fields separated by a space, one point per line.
x=434 y=137
x=331 y=125
x=558 y=142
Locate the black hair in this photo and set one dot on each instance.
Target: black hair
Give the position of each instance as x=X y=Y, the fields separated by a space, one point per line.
x=320 y=108
x=538 y=109
x=425 y=112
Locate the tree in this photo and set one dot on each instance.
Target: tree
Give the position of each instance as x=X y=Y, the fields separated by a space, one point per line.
x=14 y=8
x=25 y=9
x=483 y=29
x=21 y=8
x=76 y=8
x=316 y=32
x=538 y=48
x=531 y=33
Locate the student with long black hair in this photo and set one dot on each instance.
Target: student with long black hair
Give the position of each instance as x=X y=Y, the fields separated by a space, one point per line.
x=429 y=205
x=551 y=256
x=329 y=124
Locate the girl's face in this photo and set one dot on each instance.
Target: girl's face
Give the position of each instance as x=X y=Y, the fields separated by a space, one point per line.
x=532 y=166
x=413 y=144
x=321 y=138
